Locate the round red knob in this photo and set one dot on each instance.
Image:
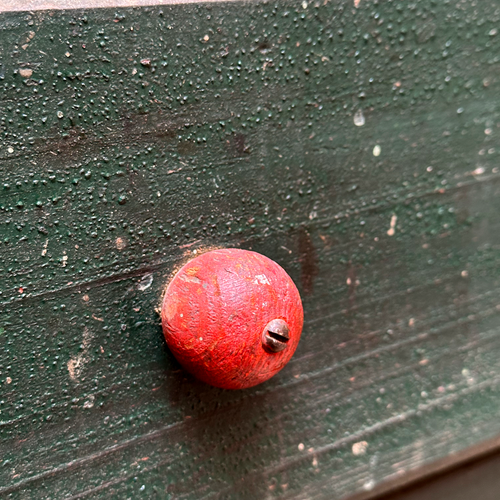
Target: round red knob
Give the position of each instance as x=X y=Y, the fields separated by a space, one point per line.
x=232 y=318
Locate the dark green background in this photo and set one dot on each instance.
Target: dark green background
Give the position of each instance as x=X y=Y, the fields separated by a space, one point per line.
x=132 y=138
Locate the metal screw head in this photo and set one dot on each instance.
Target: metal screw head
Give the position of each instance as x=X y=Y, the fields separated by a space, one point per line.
x=276 y=335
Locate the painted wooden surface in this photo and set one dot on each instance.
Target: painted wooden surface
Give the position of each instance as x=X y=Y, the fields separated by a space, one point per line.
x=356 y=144
x=476 y=479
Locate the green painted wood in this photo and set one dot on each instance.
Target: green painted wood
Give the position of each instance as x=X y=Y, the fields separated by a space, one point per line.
x=462 y=483
x=357 y=147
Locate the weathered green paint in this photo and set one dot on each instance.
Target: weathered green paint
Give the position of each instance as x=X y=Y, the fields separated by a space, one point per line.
x=477 y=478
x=237 y=129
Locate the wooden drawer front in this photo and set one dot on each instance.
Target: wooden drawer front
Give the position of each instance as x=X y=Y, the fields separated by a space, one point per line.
x=355 y=143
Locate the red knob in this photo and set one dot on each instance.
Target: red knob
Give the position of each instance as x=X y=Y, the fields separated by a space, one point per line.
x=232 y=318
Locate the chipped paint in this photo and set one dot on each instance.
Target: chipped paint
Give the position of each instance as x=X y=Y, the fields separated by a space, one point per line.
x=145 y=282
x=261 y=279
x=77 y=363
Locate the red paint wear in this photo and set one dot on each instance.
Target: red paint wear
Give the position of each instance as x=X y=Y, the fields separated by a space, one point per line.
x=214 y=313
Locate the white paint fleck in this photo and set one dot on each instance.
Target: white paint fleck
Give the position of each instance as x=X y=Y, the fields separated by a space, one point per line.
x=315 y=461
x=121 y=243
x=488 y=131
x=304 y=5
x=493 y=32
x=301 y=446
x=356 y=3
x=359 y=448
x=145 y=282
x=468 y=376
x=8 y=380
x=478 y=171
x=64 y=260
x=377 y=150
x=313 y=215
x=10 y=149
x=261 y=279
x=26 y=72
x=44 y=250
x=464 y=274
x=60 y=114
x=392 y=228
x=359 y=118
x=134 y=71
x=369 y=485
x=90 y=402
x=206 y=38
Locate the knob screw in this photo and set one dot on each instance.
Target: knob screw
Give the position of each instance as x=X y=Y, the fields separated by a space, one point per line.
x=276 y=335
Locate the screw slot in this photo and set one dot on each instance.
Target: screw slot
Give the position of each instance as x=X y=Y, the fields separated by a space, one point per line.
x=276 y=335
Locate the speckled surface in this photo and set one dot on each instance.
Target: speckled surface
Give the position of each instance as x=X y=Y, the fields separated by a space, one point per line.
x=355 y=146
